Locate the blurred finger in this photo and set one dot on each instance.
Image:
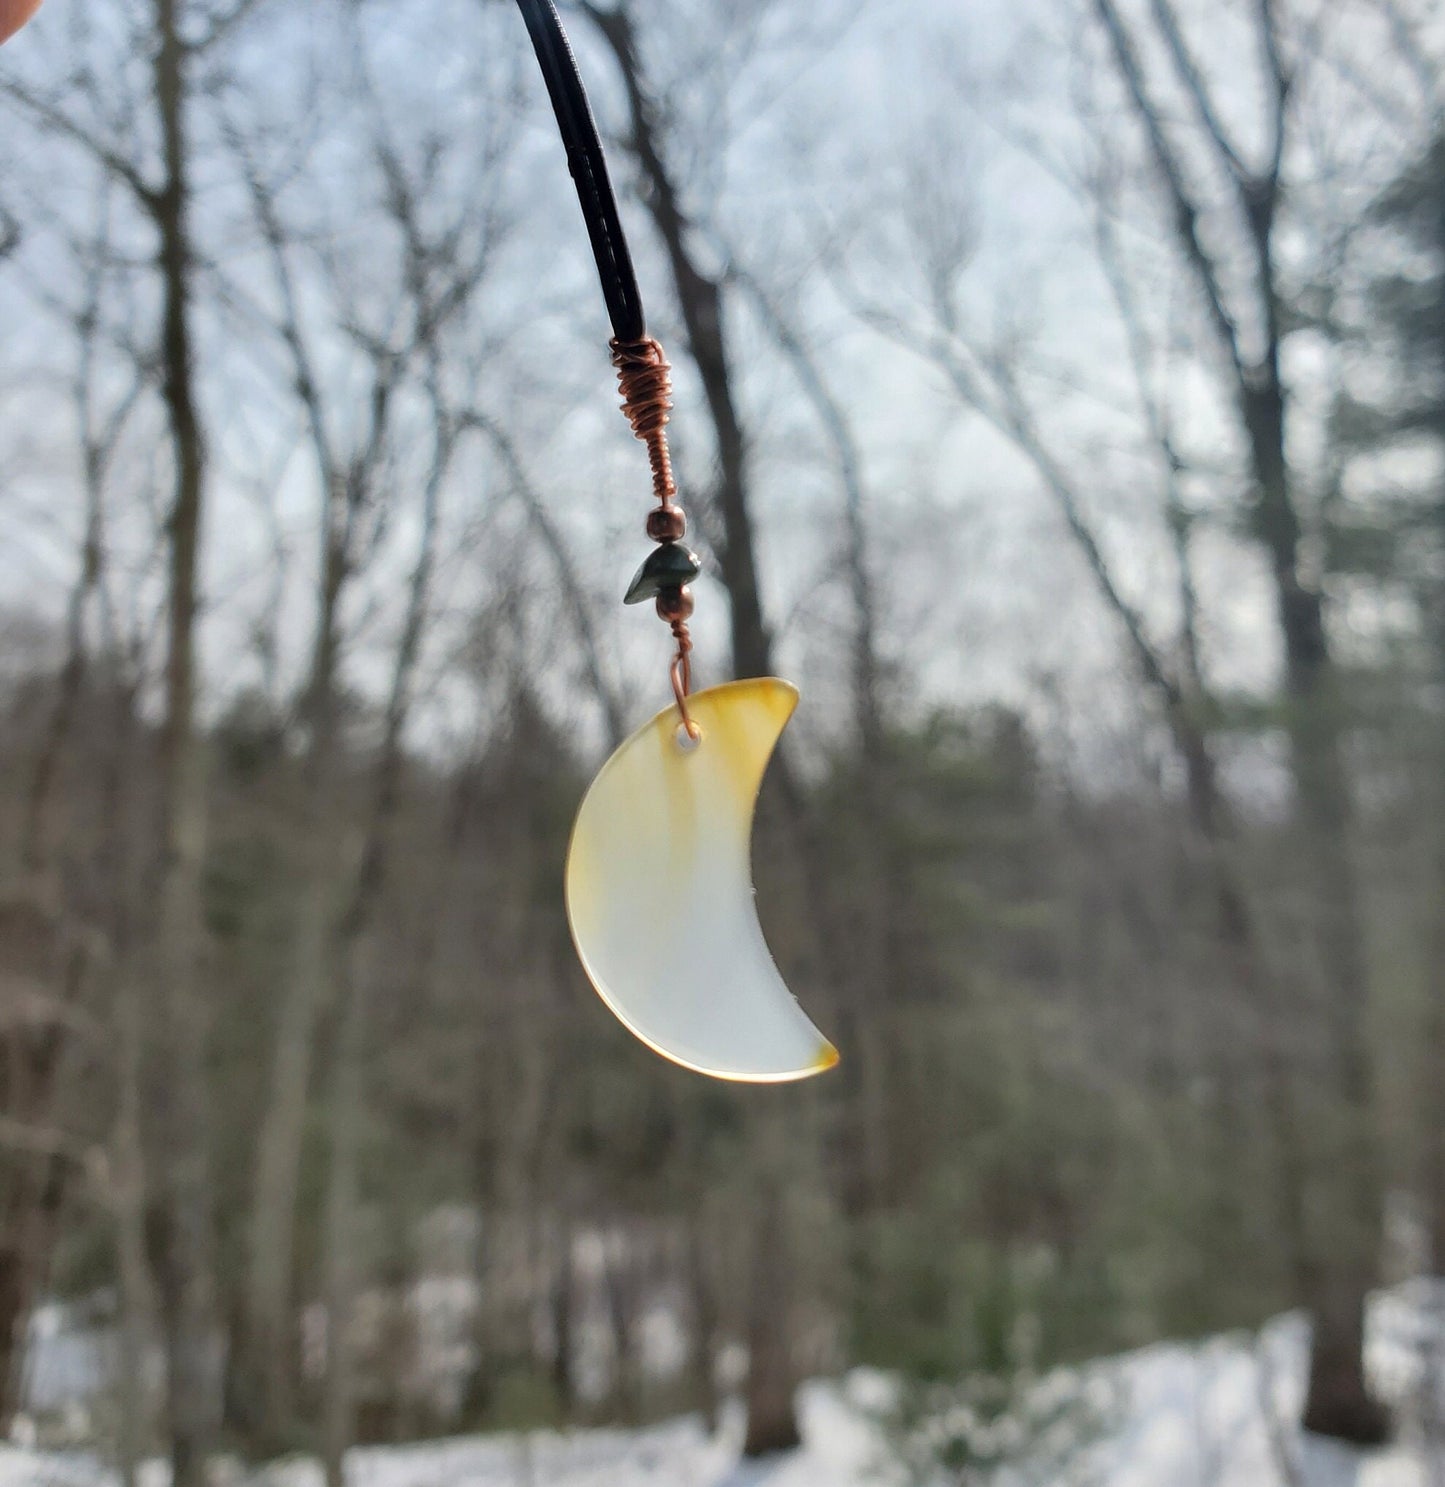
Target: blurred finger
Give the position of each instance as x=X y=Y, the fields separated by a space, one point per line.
x=14 y=14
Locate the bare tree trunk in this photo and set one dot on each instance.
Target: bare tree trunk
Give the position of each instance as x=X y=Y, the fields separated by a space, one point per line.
x=31 y=1202
x=855 y=954
x=128 y=1185
x=348 y=1089
x=265 y=1378
x=619 y=1285
x=98 y=441
x=32 y=965
x=1432 y=1064
x=278 y=1165
x=12 y=1341
x=39 y=805
x=703 y=1339
x=181 y=1248
x=129 y=1217
x=1343 y=1246
x=1432 y=1067
x=772 y=1366
x=342 y=1193
x=563 y=1307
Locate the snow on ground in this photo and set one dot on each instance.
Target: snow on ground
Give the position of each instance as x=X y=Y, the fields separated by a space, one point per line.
x=1185 y=1416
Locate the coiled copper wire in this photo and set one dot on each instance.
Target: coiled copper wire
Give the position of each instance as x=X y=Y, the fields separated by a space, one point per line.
x=644 y=377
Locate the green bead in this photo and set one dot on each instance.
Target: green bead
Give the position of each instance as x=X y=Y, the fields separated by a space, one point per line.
x=666 y=567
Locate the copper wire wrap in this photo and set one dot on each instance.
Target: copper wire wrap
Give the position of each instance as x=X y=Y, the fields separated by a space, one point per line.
x=644 y=377
x=681 y=672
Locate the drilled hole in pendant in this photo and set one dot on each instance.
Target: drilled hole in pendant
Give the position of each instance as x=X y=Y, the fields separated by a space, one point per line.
x=686 y=741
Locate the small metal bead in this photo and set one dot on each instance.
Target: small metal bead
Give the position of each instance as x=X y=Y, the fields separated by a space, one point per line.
x=675 y=604
x=666 y=524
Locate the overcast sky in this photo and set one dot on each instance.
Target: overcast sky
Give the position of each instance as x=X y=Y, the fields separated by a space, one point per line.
x=800 y=141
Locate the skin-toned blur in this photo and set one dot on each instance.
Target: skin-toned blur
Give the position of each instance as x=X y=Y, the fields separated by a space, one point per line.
x=14 y=14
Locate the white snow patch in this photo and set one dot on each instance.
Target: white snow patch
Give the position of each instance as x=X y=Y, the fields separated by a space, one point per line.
x=1194 y=1415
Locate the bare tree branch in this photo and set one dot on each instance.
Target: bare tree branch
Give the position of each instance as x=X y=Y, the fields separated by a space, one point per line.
x=45 y=112
x=1157 y=423
x=1194 y=86
x=849 y=461
x=222 y=24
x=573 y=591
x=1186 y=209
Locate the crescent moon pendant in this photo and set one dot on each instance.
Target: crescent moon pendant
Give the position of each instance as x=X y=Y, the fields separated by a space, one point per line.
x=660 y=898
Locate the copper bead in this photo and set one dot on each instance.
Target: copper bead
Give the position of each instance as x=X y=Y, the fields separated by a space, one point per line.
x=675 y=604
x=666 y=524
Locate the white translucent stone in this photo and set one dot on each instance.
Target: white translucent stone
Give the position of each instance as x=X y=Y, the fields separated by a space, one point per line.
x=660 y=895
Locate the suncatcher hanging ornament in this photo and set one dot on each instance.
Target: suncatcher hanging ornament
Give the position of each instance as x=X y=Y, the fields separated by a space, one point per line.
x=658 y=880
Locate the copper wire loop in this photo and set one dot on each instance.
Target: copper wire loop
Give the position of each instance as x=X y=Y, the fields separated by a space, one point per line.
x=644 y=377
x=682 y=676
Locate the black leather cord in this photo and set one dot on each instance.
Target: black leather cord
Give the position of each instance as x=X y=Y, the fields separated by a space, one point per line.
x=589 y=168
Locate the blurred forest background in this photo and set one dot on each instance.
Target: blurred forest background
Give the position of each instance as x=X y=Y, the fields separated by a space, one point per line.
x=1060 y=400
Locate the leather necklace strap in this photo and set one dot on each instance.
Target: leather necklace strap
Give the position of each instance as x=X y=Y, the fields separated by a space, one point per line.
x=589 y=168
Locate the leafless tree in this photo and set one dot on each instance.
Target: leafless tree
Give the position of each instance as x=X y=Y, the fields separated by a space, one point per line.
x=1244 y=309
x=1248 y=324
x=43 y=1010
x=180 y=41
x=437 y=280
